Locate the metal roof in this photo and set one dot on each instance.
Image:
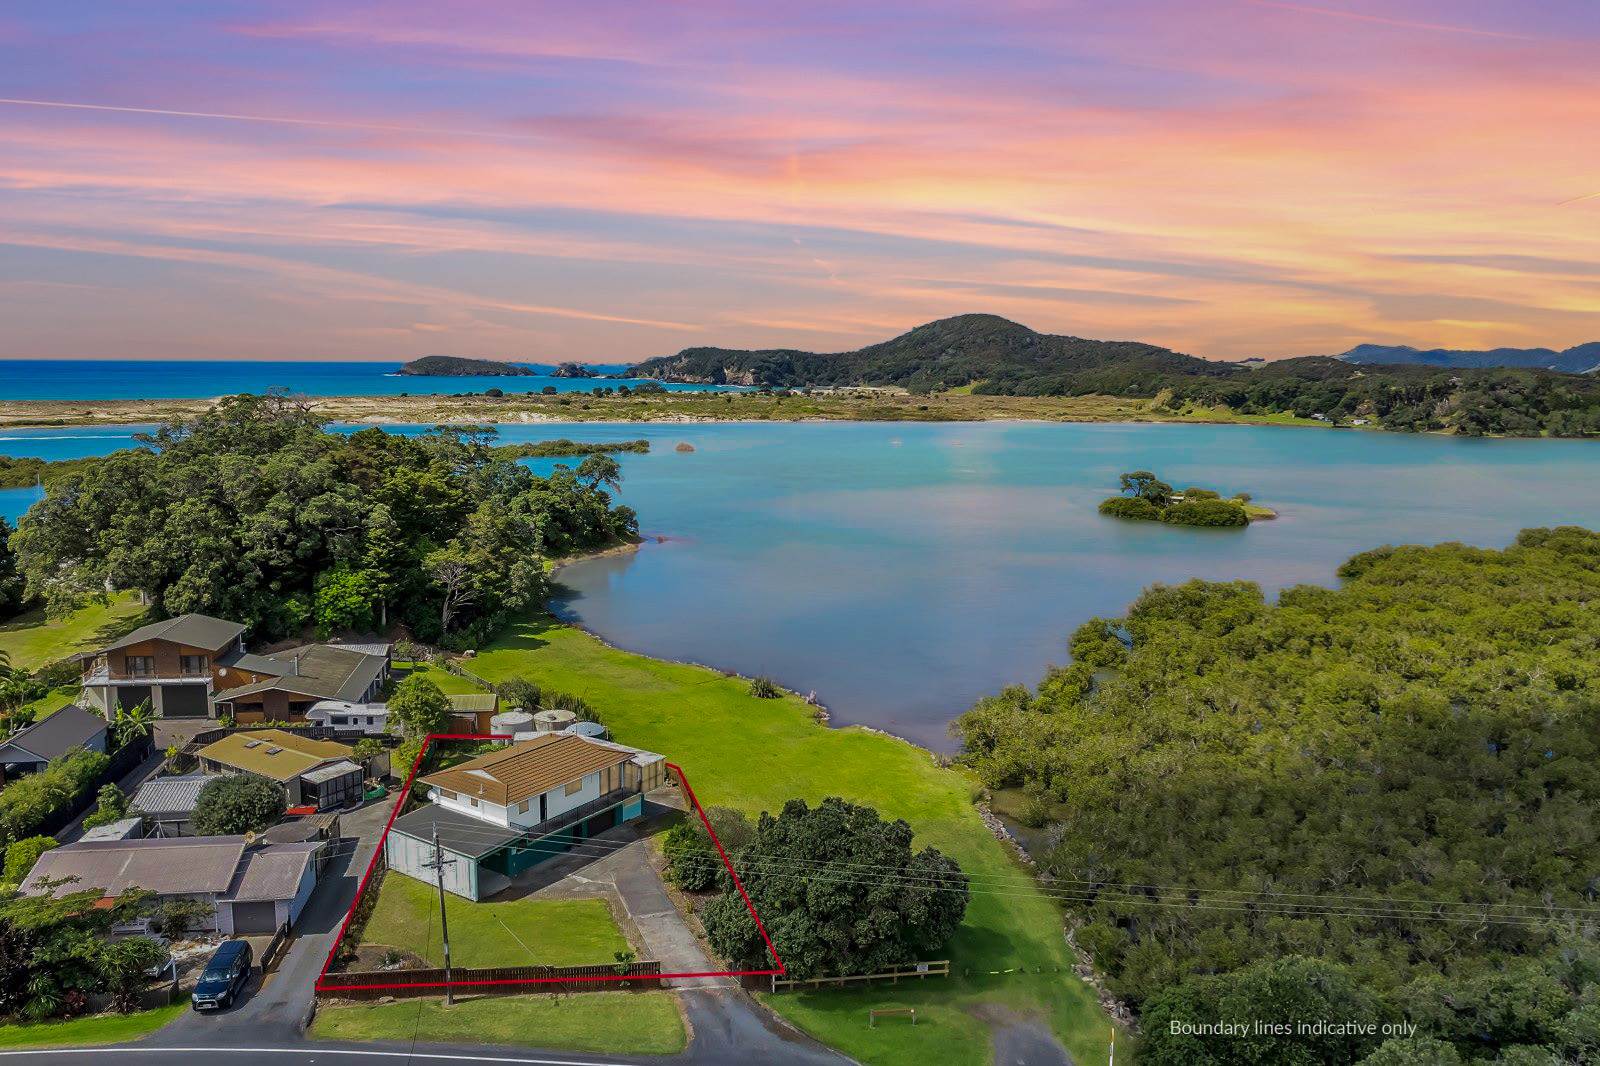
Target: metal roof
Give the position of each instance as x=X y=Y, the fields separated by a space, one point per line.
x=272 y=871
x=54 y=735
x=525 y=769
x=331 y=771
x=275 y=753
x=470 y=702
x=170 y=795
x=168 y=866
x=460 y=833
x=324 y=670
x=191 y=630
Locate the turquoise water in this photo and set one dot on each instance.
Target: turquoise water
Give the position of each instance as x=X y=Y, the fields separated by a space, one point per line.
x=178 y=379
x=901 y=571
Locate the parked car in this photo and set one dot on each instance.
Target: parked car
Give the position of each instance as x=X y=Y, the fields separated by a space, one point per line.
x=225 y=974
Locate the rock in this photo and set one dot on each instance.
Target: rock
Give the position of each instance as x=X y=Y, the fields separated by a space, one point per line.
x=684 y=446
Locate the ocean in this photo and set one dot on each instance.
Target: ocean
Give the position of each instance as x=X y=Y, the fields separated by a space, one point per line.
x=176 y=379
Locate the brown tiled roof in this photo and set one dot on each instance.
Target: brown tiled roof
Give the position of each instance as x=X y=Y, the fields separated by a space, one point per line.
x=520 y=771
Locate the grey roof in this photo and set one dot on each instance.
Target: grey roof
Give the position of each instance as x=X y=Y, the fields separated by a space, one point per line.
x=272 y=871
x=166 y=866
x=327 y=671
x=305 y=827
x=331 y=771
x=193 y=630
x=54 y=736
x=460 y=833
x=171 y=795
x=119 y=830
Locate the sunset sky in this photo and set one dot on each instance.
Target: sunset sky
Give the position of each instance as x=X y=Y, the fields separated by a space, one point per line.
x=610 y=181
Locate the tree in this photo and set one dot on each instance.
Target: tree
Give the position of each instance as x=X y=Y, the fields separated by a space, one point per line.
x=343 y=600
x=692 y=859
x=110 y=806
x=134 y=723
x=519 y=692
x=1413 y=1051
x=803 y=873
x=22 y=854
x=12 y=587
x=56 y=952
x=420 y=707
x=1144 y=485
x=237 y=803
x=29 y=802
x=600 y=470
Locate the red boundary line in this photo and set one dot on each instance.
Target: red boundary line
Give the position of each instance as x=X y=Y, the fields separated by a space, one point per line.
x=321 y=984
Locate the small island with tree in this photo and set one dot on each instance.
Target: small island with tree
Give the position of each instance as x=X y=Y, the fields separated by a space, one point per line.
x=1146 y=497
x=455 y=366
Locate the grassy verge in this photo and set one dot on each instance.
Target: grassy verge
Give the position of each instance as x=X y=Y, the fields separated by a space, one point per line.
x=32 y=640
x=754 y=754
x=101 y=1029
x=523 y=932
x=450 y=684
x=628 y=1023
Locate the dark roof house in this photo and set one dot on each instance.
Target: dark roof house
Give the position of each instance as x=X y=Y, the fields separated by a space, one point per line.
x=52 y=737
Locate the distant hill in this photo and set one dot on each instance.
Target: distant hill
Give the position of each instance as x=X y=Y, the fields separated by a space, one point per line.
x=454 y=366
x=1581 y=359
x=1002 y=355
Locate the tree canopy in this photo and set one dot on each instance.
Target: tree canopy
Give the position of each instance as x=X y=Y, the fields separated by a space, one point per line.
x=12 y=586
x=252 y=511
x=237 y=803
x=1400 y=775
x=803 y=869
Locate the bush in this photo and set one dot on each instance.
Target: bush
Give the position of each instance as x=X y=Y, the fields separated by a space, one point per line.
x=110 y=806
x=178 y=917
x=1130 y=507
x=238 y=803
x=27 y=803
x=519 y=692
x=692 y=859
x=1213 y=513
x=21 y=856
x=764 y=688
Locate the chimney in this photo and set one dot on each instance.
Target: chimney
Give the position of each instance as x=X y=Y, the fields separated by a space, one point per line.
x=294 y=665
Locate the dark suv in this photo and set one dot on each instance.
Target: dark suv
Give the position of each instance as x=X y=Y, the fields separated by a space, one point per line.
x=223 y=976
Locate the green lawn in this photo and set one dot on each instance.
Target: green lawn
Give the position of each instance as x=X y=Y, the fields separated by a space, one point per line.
x=524 y=932
x=627 y=1023
x=33 y=640
x=450 y=684
x=101 y=1029
x=754 y=754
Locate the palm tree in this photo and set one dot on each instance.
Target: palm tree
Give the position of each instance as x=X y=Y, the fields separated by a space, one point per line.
x=134 y=722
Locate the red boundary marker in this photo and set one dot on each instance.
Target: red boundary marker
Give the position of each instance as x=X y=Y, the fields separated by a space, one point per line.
x=322 y=984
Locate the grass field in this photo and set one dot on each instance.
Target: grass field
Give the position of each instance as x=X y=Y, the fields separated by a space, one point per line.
x=754 y=754
x=524 y=932
x=32 y=640
x=631 y=1023
x=101 y=1029
x=450 y=684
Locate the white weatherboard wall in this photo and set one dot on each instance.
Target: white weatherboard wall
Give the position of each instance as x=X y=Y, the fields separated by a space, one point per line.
x=410 y=856
x=557 y=803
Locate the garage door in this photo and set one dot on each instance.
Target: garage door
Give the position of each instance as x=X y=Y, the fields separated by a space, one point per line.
x=183 y=701
x=130 y=696
x=250 y=918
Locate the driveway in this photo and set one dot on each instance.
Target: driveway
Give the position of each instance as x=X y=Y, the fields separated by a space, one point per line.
x=273 y=1010
x=726 y=1024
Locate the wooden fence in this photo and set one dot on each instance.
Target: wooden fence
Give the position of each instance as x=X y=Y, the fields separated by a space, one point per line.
x=377 y=984
x=919 y=970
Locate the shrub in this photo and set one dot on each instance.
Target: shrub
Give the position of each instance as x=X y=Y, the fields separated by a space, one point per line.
x=21 y=856
x=238 y=803
x=1130 y=507
x=28 y=802
x=177 y=917
x=764 y=688
x=519 y=692
x=1214 y=513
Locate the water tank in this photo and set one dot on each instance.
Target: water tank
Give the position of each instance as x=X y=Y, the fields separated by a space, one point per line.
x=510 y=723
x=553 y=720
x=587 y=729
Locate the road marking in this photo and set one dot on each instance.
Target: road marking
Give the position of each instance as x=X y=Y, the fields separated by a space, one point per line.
x=309 y=1053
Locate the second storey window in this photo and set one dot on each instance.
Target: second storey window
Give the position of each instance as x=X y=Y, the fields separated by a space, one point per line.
x=141 y=665
x=193 y=664
x=574 y=787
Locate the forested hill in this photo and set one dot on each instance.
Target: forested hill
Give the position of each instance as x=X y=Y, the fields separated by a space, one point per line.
x=1579 y=359
x=949 y=353
x=455 y=366
x=994 y=356
x=1398 y=779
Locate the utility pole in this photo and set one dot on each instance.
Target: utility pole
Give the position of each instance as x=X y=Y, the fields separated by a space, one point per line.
x=437 y=865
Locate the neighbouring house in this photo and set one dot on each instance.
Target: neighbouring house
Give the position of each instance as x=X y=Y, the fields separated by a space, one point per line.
x=196 y=666
x=313 y=773
x=251 y=888
x=289 y=684
x=167 y=803
x=501 y=813
x=371 y=719
x=30 y=750
x=174 y=665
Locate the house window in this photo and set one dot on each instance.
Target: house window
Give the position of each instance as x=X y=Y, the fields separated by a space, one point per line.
x=574 y=787
x=141 y=665
x=193 y=664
